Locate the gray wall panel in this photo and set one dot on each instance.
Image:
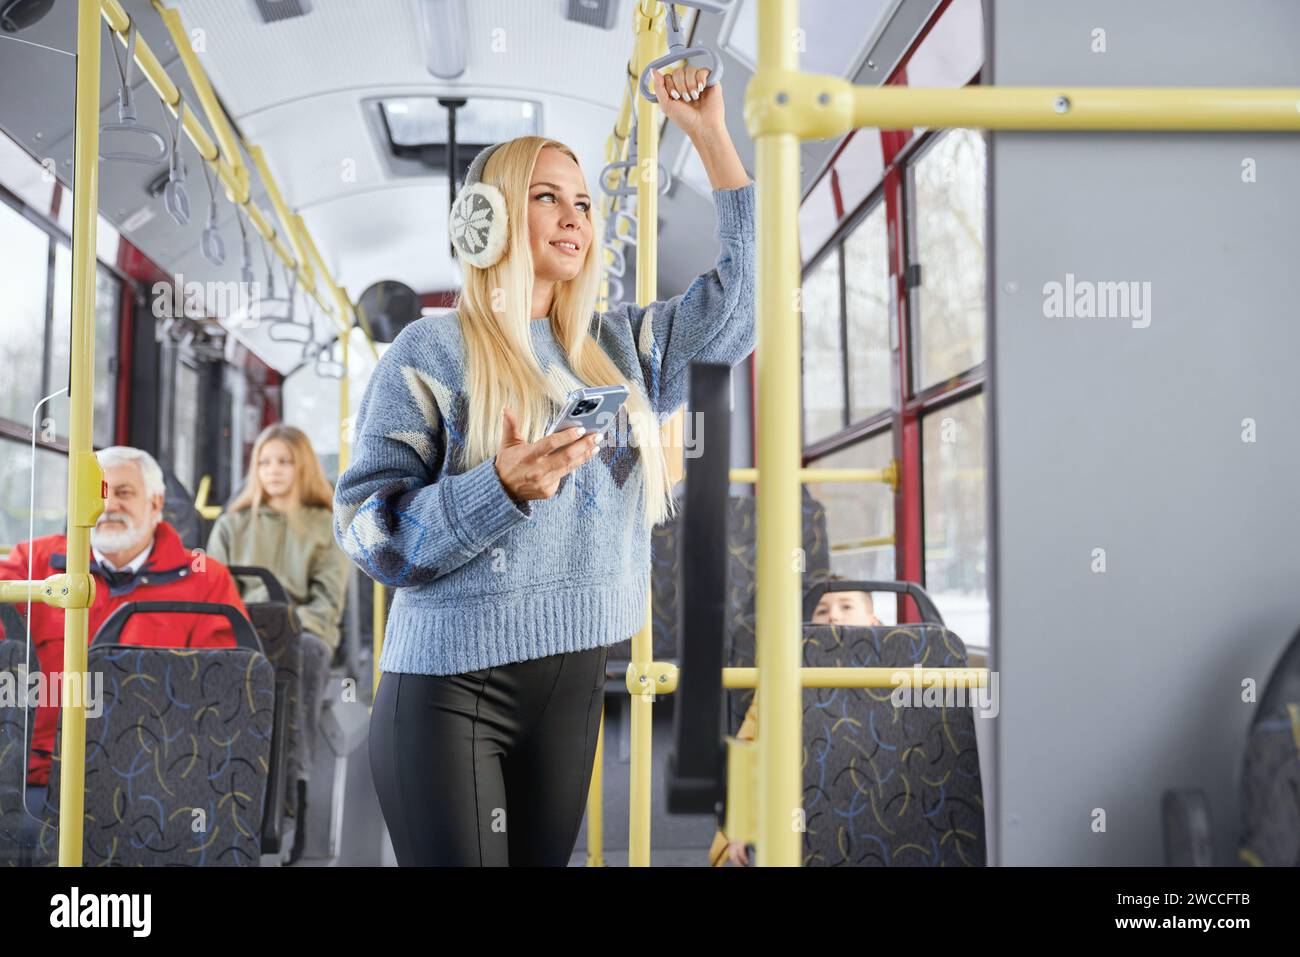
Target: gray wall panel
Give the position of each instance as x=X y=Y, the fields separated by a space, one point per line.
x=1119 y=685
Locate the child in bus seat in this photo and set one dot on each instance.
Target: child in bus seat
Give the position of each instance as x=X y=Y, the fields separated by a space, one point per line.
x=834 y=608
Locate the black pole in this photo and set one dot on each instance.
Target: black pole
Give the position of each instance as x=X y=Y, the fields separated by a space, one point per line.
x=453 y=158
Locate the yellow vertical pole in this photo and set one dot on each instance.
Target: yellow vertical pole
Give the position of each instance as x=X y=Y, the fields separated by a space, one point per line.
x=595 y=807
x=649 y=45
x=377 y=622
x=779 y=633
x=83 y=470
x=345 y=429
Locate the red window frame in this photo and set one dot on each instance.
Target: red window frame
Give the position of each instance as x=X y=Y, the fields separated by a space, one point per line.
x=903 y=420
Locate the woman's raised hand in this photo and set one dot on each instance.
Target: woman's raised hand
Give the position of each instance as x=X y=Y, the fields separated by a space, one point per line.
x=685 y=100
x=532 y=470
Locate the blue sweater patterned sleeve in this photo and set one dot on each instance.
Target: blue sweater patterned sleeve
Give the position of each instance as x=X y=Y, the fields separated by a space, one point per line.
x=393 y=516
x=713 y=321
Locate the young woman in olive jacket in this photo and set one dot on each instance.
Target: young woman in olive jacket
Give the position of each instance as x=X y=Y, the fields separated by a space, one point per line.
x=282 y=520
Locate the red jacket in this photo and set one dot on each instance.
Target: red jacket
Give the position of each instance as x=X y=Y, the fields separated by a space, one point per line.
x=170 y=573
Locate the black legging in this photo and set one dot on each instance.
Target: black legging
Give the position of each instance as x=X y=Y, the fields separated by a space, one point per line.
x=490 y=767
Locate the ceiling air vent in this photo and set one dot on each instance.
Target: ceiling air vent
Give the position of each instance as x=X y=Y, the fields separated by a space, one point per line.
x=273 y=11
x=594 y=13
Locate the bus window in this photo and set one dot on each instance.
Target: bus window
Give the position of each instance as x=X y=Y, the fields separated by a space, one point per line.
x=108 y=291
x=817 y=220
x=24 y=273
x=185 y=425
x=867 y=315
x=312 y=405
x=823 y=350
x=956 y=535
x=16 y=485
x=947 y=208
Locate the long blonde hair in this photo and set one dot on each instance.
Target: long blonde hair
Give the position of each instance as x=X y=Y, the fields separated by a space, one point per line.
x=495 y=309
x=310 y=483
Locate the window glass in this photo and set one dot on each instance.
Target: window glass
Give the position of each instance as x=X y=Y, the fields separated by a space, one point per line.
x=823 y=351
x=26 y=178
x=24 y=271
x=58 y=362
x=859 y=167
x=952 y=52
x=817 y=219
x=108 y=309
x=422 y=120
x=956 y=534
x=948 y=243
x=858 y=516
x=185 y=422
x=834 y=32
x=866 y=288
x=16 y=484
x=311 y=402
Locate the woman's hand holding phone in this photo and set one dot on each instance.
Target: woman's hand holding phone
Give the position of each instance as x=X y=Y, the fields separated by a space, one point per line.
x=533 y=470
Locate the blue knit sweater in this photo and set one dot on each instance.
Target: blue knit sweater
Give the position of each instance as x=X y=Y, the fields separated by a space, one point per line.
x=482 y=580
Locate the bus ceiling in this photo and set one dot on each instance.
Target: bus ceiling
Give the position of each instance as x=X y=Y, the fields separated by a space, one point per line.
x=353 y=129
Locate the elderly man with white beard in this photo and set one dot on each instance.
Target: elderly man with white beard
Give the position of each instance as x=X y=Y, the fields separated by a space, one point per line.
x=135 y=556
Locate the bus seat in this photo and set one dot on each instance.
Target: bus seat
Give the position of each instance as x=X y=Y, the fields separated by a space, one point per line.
x=742 y=574
x=1270 y=784
x=11 y=623
x=179 y=512
x=665 y=610
x=1188 y=837
x=277 y=626
x=177 y=763
x=14 y=747
x=666 y=577
x=246 y=636
x=1270 y=776
x=885 y=785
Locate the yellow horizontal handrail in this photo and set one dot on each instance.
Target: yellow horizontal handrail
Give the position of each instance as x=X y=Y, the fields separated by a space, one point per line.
x=61 y=591
x=888 y=475
x=201 y=499
x=853 y=544
x=900 y=677
x=226 y=161
x=306 y=272
x=820 y=106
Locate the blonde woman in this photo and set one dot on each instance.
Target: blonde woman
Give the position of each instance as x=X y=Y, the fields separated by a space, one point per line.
x=518 y=558
x=282 y=521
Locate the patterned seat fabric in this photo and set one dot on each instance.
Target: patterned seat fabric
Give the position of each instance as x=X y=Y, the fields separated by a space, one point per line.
x=1270 y=776
x=11 y=623
x=665 y=601
x=13 y=750
x=179 y=511
x=176 y=765
x=887 y=785
x=281 y=636
x=742 y=563
x=666 y=577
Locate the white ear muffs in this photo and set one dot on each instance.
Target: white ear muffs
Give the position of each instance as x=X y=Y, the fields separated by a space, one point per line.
x=478 y=224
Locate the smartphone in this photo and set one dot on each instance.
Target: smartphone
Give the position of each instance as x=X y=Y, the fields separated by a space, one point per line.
x=594 y=408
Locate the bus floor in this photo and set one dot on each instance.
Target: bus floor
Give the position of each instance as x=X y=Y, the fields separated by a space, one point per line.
x=345 y=826
x=676 y=840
